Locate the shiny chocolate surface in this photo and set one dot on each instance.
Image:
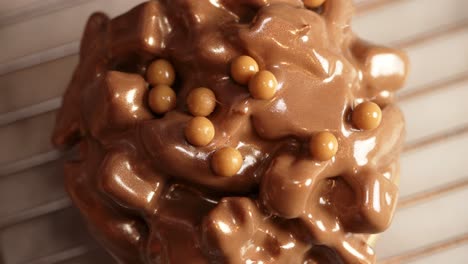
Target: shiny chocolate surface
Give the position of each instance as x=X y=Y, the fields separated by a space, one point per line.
x=152 y=197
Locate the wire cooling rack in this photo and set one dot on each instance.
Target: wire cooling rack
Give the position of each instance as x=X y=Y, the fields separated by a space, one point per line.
x=38 y=225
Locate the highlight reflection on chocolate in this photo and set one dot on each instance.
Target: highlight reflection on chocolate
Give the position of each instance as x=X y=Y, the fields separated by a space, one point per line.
x=266 y=164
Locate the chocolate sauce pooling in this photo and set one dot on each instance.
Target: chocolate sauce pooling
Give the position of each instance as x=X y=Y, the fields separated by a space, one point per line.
x=151 y=197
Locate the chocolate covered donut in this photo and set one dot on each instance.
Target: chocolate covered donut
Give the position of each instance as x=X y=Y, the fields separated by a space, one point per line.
x=233 y=131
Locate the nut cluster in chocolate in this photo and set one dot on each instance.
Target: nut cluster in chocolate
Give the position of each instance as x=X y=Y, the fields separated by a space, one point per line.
x=233 y=131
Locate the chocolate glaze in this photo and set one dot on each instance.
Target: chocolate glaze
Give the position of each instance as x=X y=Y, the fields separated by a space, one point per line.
x=151 y=197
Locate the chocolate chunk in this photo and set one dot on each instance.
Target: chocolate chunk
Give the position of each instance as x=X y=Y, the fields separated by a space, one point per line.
x=116 y=102
x=141 y=30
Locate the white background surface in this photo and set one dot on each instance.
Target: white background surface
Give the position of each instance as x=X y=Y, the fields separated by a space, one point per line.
x=38 y=45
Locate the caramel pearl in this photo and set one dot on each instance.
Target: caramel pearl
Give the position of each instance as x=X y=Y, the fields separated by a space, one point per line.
x=199 y=131
x=243 y=68
x=160 y=72
x=367 y=116
x=263 y=85
x=201 y=102
x=226 y=162
x=323 y=146
x=162 y=99
x=313 y=3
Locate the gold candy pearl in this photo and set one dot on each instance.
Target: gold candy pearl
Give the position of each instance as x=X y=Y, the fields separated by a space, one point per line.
x=199 y=131
x=367 y=116
x=160 y=72
x=263 y=85
x=323 y=146
x=201 y=102
x=226 y=162
x=313 y=3
x=162 y=99
x=243 y=68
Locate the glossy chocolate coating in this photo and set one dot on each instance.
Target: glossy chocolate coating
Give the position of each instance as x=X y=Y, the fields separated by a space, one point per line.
x=151 y=197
